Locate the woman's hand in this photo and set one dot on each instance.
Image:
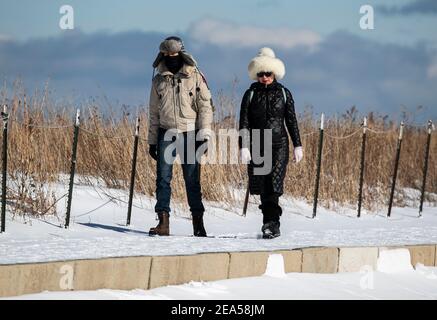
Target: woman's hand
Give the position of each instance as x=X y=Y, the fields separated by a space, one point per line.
x=298 y=154
x=245 y=155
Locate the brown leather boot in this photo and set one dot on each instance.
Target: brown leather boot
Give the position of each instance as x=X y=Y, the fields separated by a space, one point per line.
x=163 y=227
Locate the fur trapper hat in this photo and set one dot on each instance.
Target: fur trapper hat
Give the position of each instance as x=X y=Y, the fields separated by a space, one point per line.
x=173 y=45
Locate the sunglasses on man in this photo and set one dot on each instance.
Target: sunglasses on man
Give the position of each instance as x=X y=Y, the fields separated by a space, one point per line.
x=262 y=74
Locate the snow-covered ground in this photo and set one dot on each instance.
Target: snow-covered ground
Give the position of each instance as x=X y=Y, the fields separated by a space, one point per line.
x=102 y=232
x=387 y=282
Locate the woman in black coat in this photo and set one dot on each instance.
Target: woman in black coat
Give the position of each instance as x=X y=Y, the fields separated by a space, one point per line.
x=267 y=104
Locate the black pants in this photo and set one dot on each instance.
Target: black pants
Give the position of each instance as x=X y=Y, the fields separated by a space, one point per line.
x=270 y=202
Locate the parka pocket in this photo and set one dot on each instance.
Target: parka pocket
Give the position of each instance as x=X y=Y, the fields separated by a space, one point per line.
x=166 y=109
x=163 y=91
x=205 y=95
x=188 y=108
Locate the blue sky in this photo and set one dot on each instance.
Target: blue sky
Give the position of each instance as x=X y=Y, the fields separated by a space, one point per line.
x=331 y=63
x=24 y=19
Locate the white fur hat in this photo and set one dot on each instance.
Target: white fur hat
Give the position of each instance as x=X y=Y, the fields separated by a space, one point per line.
x=266 y=61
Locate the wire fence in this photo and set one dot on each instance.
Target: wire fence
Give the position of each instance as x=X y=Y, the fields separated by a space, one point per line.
x=29 y=125
x=364 y=129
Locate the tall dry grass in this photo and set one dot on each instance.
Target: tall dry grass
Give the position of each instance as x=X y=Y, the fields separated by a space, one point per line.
x=39 y=155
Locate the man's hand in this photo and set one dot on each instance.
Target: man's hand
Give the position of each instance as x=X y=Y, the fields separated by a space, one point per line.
x=153 y=151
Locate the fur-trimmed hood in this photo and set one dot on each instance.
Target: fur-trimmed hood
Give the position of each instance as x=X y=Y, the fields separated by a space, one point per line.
x=266 y=61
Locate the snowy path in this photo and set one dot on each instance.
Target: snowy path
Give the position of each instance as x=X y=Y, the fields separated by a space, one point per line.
x=102 y=233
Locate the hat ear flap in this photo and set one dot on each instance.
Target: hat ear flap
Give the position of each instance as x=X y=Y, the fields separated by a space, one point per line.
x=188 y=59
x=158 y=60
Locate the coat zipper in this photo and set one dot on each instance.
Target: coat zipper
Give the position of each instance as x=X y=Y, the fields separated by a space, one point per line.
x=174 y=103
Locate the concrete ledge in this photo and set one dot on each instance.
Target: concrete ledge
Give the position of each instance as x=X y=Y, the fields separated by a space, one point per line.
x=35 y=277
x=111 y=273
x=247 y=264
x=172 y=270
x=253 y=264
x=424 y=254
x=292 y=260
x=320 y=260
x=129 y=273
x=353 y=259
x=117 y=273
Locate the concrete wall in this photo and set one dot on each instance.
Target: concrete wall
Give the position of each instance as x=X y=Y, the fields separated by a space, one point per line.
x=424 y=254
x=252 y=264
x=36 y=277
x=151 y=272
x=118 y=273
x=354 y=259
x=320 y=260
x=172 y=270
x=112 y=273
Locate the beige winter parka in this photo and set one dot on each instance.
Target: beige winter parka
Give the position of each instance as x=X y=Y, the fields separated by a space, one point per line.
x=181 y=101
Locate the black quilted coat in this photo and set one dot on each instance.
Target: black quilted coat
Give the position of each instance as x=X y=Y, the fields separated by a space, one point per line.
x=268 y=110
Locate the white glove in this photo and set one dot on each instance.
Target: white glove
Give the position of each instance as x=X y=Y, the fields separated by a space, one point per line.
x=298 y=154
x=245 y=156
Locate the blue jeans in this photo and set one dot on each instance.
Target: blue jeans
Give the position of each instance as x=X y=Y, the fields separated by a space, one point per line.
x=190 y=169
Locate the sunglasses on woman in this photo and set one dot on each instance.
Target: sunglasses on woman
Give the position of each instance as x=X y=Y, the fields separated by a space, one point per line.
x=262 y=74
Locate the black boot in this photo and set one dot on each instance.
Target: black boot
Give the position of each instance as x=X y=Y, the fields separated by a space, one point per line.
x=198 y=228
x=271 y=215
x=271 y=230
x=163 y=227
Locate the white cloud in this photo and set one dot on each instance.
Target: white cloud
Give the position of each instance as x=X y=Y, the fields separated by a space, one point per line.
x=432 y=70
x=4 y=37
x=220 y=32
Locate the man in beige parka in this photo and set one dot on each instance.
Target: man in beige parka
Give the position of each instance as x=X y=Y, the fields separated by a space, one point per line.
x=180 y=117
